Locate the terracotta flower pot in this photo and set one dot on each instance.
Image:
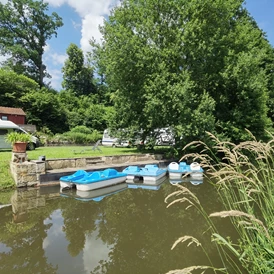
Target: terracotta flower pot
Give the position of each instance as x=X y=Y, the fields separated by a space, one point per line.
x=19 y=147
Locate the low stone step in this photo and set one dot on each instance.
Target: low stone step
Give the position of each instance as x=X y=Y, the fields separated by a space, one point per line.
x=94 y=161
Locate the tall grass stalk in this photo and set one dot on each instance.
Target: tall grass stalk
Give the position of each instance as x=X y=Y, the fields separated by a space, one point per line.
x=186 y=197
x=244 y=180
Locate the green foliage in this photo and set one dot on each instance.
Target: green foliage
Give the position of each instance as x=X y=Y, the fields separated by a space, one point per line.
x=187 y=64
x=68 y=99
x=251 y=82
x=44 y=134
x=78 y=135
x=82 y=138
x=82 y=129
x=85 y=111
x=42 y=106
x=96 y=117
x=78 y=77
x=269 y=66
x=44 y=109
x=13 y=87
x=15 y=136
x=25 y=26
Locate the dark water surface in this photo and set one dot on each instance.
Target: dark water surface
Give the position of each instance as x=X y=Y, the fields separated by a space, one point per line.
x=128 y=232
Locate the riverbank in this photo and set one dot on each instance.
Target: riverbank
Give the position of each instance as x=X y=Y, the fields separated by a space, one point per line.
x=47 y=171
x=65 y=152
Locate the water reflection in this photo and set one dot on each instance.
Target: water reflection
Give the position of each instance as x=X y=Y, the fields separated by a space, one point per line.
x=93 y=195
x=135 y=184
x=131 y=231
x=188 y=179
x=22 y=234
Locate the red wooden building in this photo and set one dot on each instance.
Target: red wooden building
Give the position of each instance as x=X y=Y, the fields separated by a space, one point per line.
x=16 y=115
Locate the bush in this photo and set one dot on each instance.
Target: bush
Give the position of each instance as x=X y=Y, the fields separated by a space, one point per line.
x=80 y=135
x=81 y=138
x=82 y=129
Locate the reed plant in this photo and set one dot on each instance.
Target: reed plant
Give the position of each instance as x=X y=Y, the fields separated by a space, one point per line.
x=244 y=180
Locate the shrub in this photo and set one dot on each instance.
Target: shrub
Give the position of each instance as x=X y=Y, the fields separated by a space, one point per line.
x=75 y=137
x=81 y=129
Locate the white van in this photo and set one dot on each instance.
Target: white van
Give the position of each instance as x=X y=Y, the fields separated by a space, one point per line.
x=164 y=137
x=111 y=141
x=8 y=126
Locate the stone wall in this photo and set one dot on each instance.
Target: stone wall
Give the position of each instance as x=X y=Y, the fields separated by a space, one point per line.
x=27 y=173
x=89 y=161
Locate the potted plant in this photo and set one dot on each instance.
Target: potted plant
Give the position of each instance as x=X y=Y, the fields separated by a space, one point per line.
x=19 y=141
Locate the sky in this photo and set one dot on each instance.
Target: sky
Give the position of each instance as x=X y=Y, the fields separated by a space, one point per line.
x=81 y=19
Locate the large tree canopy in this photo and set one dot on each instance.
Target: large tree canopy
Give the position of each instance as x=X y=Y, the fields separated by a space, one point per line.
x=196 y=65
x=25 y=27
x=78 y=76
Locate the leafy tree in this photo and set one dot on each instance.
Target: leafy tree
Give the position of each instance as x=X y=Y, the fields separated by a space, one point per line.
x=186 y=63
x=78 y=76
x=96 y=117
x=269 y=66
x=103 y=94
x=25 y=27
x=85 y=111
x=13 y=87
x=68 y=99
x=74 y=118
x=44 y=109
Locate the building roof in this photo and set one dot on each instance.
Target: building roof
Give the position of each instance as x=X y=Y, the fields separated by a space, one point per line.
x=14 y=111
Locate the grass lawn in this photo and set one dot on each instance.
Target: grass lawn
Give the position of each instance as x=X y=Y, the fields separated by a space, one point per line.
x=6 y=181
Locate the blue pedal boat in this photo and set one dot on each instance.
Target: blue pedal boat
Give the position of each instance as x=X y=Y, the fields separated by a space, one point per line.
x=100 y=179
x=67 y=181
x=133 y=172
x=176 y=171
x=150 y=173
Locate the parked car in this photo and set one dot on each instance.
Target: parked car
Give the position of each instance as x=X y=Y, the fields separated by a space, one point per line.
x=7 y=127
x=109 y=140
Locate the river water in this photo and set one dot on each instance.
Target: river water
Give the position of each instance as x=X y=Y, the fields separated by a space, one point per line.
x=125 y=230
